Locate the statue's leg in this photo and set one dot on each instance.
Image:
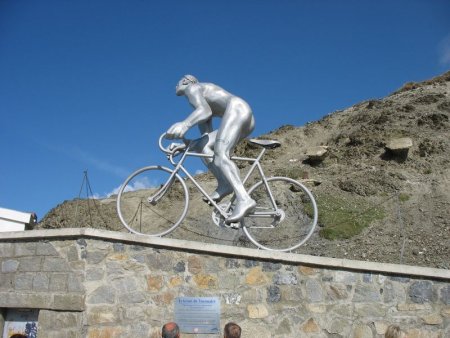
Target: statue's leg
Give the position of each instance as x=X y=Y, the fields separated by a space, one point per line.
x=237 y=123
x=207 y=148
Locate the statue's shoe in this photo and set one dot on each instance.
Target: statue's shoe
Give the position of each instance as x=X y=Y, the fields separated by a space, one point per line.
x=217 y=196
x=241 y=210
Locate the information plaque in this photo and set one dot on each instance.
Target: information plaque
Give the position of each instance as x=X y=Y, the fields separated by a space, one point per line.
x=198 y=314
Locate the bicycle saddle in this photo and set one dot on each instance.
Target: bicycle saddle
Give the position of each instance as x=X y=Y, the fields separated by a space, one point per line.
x=269 y=144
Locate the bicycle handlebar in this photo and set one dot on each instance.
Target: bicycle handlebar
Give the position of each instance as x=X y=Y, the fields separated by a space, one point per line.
x=167 y=150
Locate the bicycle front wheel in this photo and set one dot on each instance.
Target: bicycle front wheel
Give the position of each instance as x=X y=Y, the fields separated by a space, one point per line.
x=285 y=216
x=152 y=203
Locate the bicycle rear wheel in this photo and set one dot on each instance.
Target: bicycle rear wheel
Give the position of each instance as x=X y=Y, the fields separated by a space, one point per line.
x=295 y=219
x=164 y=213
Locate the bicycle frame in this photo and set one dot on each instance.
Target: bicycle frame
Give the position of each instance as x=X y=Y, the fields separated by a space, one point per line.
x=178 y=166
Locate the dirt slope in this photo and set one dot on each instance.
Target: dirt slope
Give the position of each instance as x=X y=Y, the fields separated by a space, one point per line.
x=357 y=175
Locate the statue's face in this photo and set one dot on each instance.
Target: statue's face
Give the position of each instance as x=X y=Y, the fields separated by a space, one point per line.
x=181 y=86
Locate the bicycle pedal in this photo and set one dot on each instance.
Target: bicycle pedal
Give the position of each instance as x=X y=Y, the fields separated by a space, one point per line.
x=234 y=226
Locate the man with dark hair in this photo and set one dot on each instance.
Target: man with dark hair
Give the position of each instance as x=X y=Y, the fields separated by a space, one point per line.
x=170 y=330
x=232 y=330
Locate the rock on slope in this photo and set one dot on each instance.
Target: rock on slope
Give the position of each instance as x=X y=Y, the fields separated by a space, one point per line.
x=410 y=188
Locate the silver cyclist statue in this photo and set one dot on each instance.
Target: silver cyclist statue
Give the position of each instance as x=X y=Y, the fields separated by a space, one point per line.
x=208 y=101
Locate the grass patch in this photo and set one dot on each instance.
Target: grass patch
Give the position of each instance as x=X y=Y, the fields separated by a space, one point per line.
x=403 y=197
x=343 y=217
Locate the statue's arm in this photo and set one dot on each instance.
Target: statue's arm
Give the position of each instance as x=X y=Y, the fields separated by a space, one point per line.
x=202 y=112
x=201 y=115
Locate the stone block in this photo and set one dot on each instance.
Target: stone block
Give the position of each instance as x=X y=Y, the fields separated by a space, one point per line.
x=394 y=292
x=164 y=299
x=6 y=250
x=204 y=281
x=195 y=265
x=175 y=281
x=284 y=328
x=256 y=277
x=250 y=263
x=74 y=284
x=58 y=282
x=95 y=257
x=118 y=247
x=262 y=329
x=155 y=283
x=180 y=267
x=270 y=267
x=228 y=280
x=337 y=291
x=362 y=331
x=9 y=265
x=106 y=332
x=257 y=311
x=421 y=292
x=95 y=274
x=158 y=262
x=72 y=253
x=69 y=302
x=399 y=144
x=374 y=310
x=102 y=295
x=306 y=270
x=432 y=319
x=345 y=277
x=45 y=249
x=273 y=294
x=292 y=294
x=25 y=249
x=445 y=295
x=366 y=293
x=102 y=315
x=125 y=284
x=381 y=327
x=59 y=320
x=232 y=298
x=231 y=263
x=23 y=281
x=26 y=300
x=132 y=297
x=314 y=292
x=310 y=326
x=7 y=281
x=55 y=264
x=337 y=326
x=30 y=264
x=41 y=282
x=316 y=308
x=285 y=279
x=445 y=312
x=413 y=307
x=400 y=279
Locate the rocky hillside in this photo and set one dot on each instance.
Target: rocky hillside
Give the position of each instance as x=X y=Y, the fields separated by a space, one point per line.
x=380 y=171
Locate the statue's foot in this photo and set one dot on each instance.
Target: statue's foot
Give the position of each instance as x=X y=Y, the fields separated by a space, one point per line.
x=242 y=209
x=218 y=195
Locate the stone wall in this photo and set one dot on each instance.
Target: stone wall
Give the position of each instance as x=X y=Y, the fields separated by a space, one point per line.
x=103 y=284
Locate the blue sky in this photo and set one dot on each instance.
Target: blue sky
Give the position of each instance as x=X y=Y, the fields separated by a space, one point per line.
x=90 y=84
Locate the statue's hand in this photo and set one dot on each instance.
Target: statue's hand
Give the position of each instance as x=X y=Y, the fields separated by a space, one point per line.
x=177 y=131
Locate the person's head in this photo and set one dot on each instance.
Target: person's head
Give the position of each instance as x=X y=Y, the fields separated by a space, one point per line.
x=394 y=331
x=232 y=330
x=184 y=82
x=170 y=330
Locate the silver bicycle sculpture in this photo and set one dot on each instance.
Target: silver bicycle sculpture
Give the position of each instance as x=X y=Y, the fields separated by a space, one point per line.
x=284 y=218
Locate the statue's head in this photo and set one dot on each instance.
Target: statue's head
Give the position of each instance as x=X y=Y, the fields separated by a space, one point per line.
x=184 y=83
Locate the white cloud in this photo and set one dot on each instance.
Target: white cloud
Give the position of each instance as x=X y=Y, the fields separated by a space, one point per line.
x=143 y=183
x=444 y=51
